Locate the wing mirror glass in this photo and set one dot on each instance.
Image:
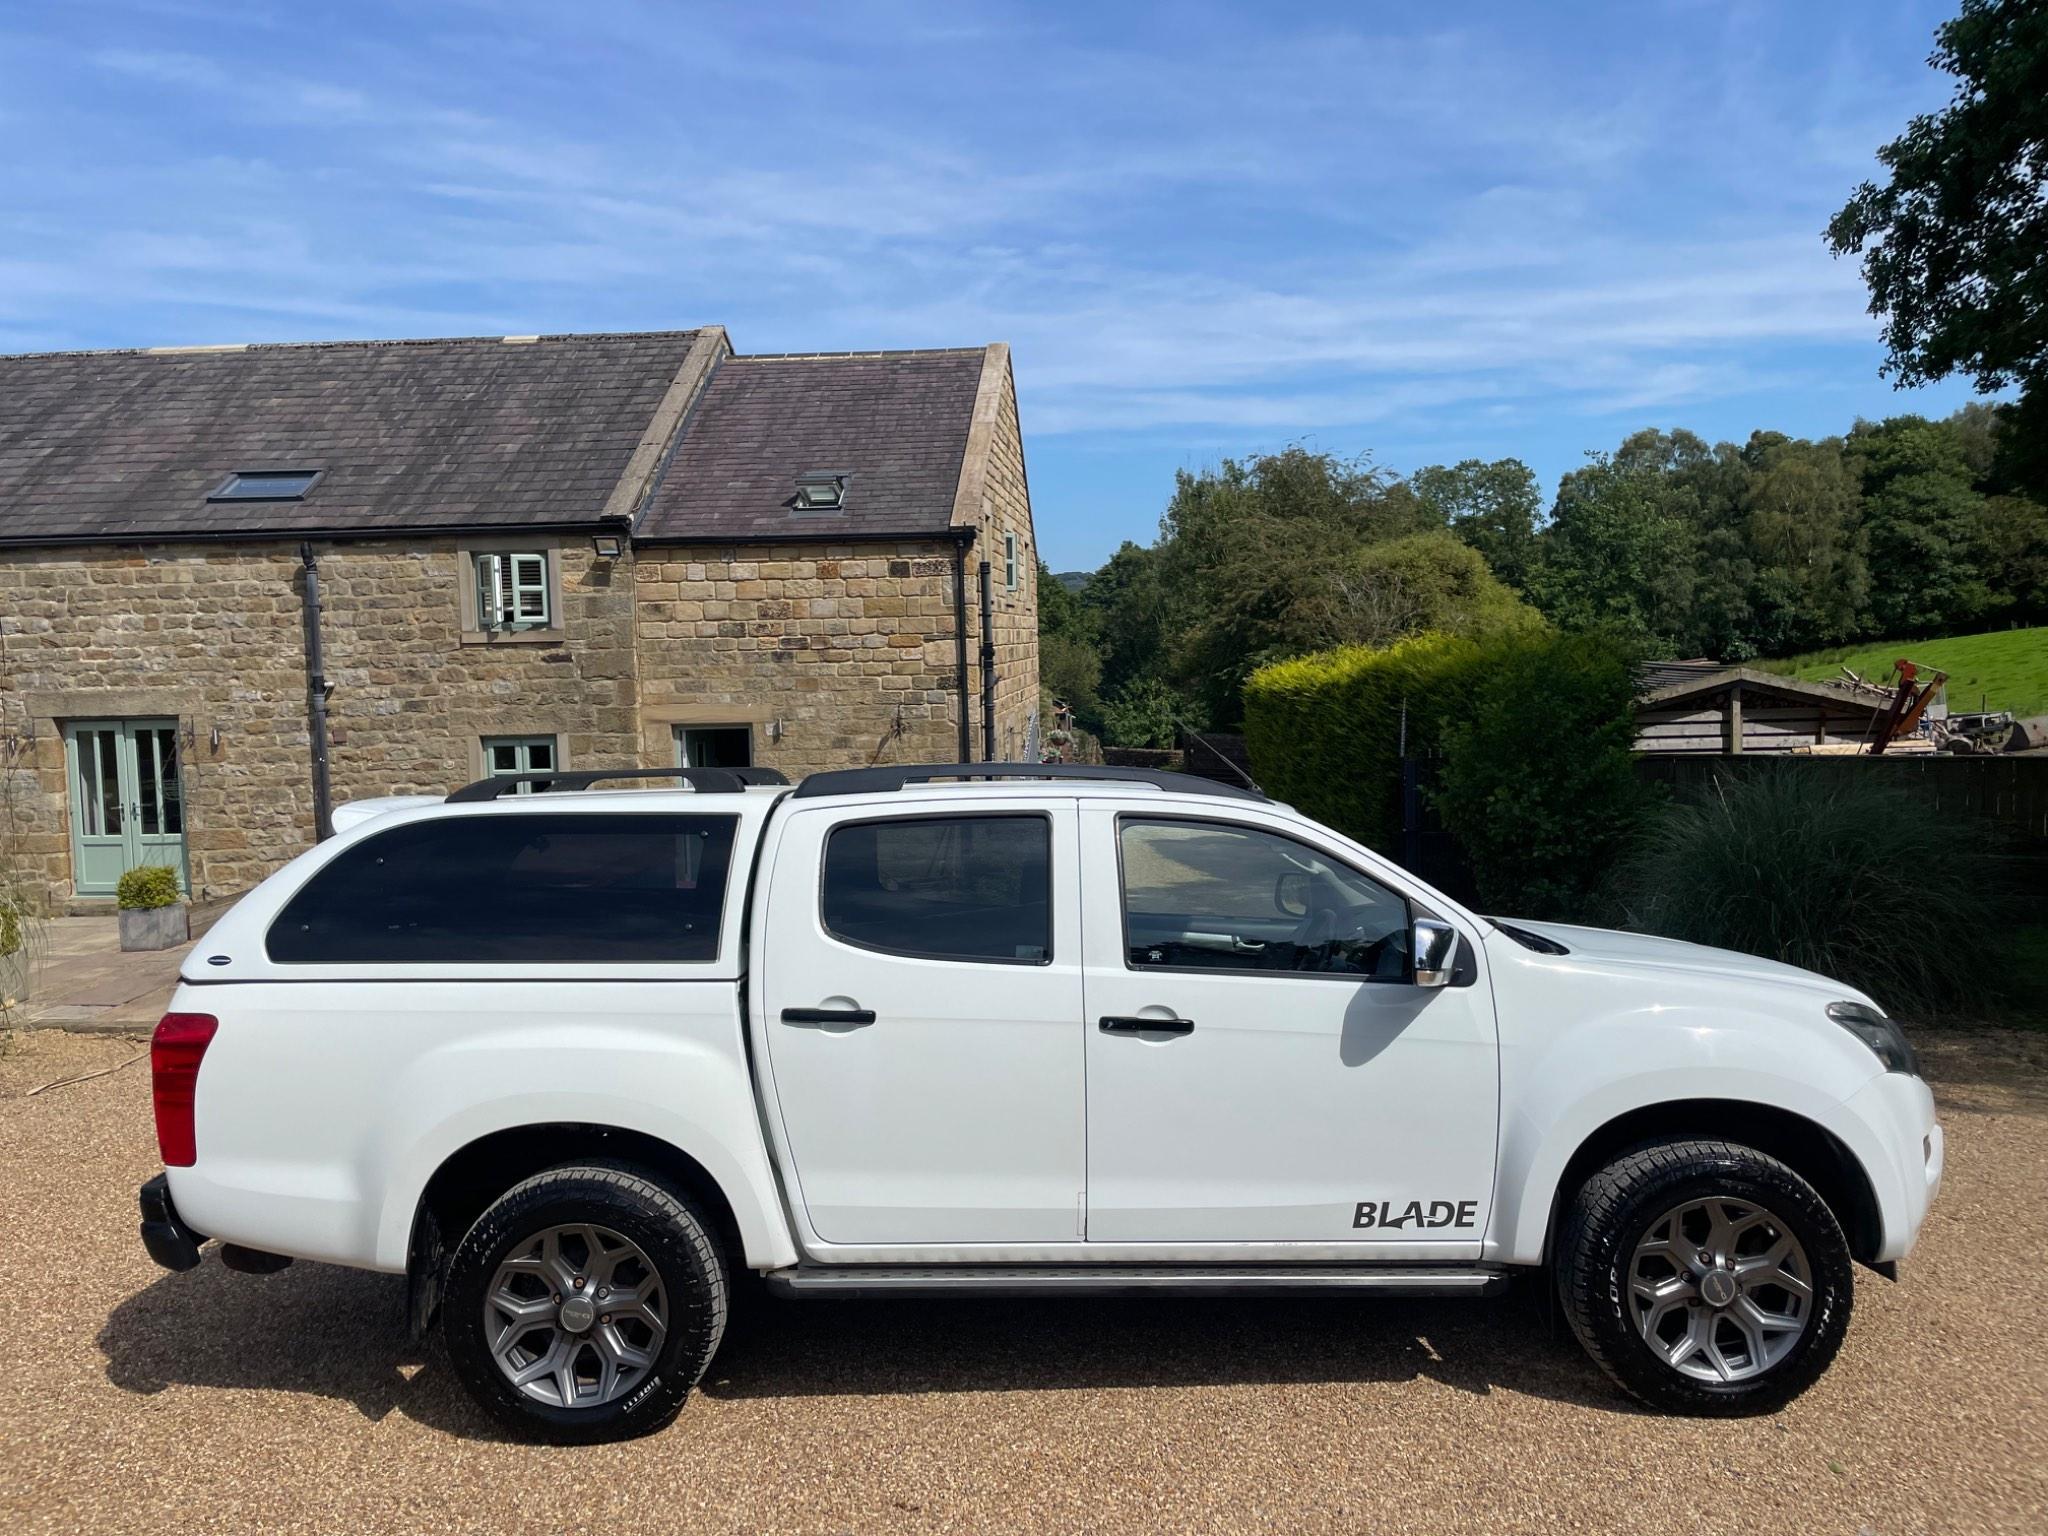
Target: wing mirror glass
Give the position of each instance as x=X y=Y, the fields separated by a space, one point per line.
x=1435 y=946
x=1291 y=892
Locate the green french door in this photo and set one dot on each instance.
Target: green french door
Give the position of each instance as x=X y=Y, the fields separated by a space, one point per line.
x=127 y=800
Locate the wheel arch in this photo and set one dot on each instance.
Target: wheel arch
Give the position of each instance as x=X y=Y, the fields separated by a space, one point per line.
x=472 y=1177
x=1809 y=1149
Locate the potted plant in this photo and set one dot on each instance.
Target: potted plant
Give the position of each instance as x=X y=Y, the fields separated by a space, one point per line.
x=152 y=910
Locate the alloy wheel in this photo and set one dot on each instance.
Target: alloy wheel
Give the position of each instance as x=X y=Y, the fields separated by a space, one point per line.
x=1720 y=1289
x=575 y=1316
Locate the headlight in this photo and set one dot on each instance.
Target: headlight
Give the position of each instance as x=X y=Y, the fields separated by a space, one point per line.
x=1879 y=1033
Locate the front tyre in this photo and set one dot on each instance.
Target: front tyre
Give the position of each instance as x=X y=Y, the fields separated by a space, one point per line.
x=1705 y=1277
x=585 y=1304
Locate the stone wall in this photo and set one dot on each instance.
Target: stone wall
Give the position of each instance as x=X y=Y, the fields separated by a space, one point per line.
x=1006 y=508
x=834 y=655
x=211 y=638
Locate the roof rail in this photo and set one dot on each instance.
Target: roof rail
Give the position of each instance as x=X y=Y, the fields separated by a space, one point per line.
x=706 y=781
x=866 y=781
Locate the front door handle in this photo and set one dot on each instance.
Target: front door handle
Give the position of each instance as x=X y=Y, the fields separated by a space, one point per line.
x=828 y=1015
x=1115 y=1024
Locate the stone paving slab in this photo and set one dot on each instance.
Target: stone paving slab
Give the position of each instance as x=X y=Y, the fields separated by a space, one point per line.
x=84 y=980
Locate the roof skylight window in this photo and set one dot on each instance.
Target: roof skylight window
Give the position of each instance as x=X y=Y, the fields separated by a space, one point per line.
x=266 y=485
x=821 y=490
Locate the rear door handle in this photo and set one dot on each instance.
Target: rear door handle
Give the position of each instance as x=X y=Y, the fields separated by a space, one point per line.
x=828 y=1015
x=1116 y=1024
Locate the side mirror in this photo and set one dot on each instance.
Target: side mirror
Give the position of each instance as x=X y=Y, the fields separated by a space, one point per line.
x=1435 y=946
x=1291 y=892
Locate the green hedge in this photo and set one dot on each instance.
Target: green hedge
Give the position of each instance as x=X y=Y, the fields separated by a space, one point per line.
x=147 y=885
x=1539 y=782
x=1536 y=779
x=1324 y=731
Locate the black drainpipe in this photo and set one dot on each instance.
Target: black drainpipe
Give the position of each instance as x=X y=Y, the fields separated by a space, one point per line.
x=962 y=538
x=316 y=700
x=988 y=671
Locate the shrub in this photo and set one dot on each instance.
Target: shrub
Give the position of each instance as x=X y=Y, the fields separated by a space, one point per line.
x=1324 y=731
x=1539 y=783
x=147 y=885
x=10 y=928
x=1146 y=714
x=1825 y=866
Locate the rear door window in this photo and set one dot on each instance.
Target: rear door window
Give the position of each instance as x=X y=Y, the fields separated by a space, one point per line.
x=502 y=890
x=943 y=887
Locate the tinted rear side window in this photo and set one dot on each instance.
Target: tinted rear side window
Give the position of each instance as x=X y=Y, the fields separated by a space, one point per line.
x=501 y=890
x=943 y=887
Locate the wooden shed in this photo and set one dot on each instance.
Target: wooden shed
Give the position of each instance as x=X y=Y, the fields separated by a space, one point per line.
x=1740 y=709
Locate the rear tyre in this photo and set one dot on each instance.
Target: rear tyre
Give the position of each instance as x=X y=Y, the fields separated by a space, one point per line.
x=585 y=1304
x=1706 y=1278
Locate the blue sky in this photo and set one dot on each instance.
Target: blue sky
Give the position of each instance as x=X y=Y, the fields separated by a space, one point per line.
x=1423 y=232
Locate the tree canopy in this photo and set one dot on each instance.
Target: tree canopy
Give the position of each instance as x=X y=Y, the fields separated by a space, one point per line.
x=1955 y=243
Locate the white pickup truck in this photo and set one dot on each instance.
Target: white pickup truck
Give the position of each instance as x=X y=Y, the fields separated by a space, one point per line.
x=571 y=1060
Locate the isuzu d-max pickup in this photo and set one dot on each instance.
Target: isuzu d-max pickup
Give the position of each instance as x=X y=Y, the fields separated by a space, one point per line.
x=572 y=1060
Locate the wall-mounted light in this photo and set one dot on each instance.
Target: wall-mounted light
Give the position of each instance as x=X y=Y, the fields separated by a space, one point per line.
x=775 y=730
x=213 y=739
x=608 y=546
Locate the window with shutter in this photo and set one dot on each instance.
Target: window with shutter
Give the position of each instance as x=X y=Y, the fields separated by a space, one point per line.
x=528 y=604
x=512 y=592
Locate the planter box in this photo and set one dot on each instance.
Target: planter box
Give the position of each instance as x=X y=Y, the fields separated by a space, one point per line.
x=154 y=927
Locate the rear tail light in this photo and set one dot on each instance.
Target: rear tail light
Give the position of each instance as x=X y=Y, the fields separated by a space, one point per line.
x=175 y=1051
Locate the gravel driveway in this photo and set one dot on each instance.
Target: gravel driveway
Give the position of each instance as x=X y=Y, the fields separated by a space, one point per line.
x=134 y=1400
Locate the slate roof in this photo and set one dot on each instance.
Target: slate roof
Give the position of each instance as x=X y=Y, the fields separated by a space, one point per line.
x=897 y=421
x=411 y=435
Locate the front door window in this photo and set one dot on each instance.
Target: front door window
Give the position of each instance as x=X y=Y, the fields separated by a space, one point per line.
x=127 y=800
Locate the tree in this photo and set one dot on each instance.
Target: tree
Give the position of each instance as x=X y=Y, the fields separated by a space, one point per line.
x=1409 y=586
x=1145 y=714
x=1492 y=507
x=1955 y=243
x=1069 y=667
x=1125 y=605
x=1928 y=550
x=1803 y=527
x=1615 y=555
x=1249 y=552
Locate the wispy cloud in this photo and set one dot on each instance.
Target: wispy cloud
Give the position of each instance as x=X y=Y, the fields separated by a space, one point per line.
x=1208 y=221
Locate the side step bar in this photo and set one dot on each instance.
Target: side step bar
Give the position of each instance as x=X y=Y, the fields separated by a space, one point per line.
x=872 y=1280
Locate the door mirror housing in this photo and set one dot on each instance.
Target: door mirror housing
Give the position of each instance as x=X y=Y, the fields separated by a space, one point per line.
x=1434 y=944
x=1291 y=892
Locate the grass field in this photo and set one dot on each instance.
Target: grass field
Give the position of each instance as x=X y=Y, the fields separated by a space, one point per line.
x=2007 y=669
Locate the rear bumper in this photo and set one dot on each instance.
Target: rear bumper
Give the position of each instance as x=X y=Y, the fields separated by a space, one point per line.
x=169 y=1241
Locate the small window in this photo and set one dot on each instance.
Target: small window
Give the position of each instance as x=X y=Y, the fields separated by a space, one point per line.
x=512 y=591
x=943 y=887
x=266 y=485
x=520 y=754
x=714 y=746
x=1204 y=895
x=1009 y=562
x=562 y=888
x=820 y=490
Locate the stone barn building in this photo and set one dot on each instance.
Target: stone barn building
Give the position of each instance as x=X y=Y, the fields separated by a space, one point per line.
x=516 y=554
